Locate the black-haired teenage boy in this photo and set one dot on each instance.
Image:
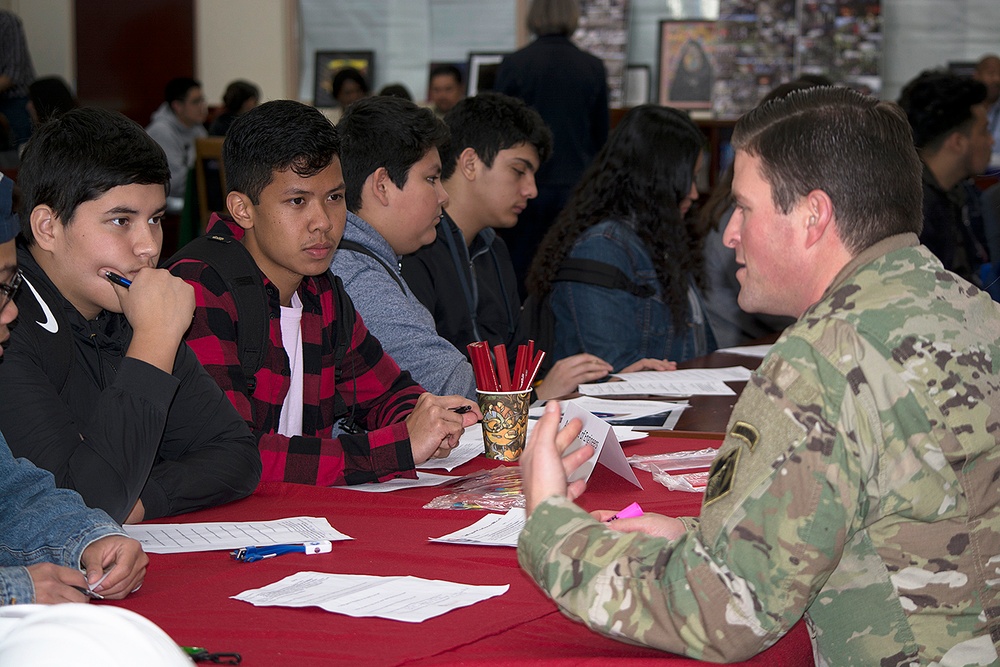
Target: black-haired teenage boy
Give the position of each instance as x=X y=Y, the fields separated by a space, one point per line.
x=465 y=278
x=286 y=208
x=392 y=170
x=97 y=385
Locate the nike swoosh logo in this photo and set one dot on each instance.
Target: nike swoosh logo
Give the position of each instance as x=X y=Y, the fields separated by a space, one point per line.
x=50 y=323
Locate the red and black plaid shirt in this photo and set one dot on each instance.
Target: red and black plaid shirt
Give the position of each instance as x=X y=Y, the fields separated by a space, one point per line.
x=379 y=393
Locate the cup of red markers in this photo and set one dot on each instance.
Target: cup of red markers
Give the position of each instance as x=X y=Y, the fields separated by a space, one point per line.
x=504 y=397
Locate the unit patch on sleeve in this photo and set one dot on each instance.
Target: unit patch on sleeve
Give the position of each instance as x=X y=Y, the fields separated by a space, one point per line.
x=721 y=476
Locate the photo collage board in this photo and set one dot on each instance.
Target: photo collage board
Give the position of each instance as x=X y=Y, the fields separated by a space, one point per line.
x=728 y=65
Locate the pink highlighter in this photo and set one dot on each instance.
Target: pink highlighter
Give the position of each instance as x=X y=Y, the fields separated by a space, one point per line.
x=629 y=512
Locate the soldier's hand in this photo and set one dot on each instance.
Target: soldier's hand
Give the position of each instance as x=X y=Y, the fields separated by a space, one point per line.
x=655 y=525
x=544 y=468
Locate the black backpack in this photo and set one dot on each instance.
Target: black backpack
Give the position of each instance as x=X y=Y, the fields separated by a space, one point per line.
x=537 y=315
x=239 y=271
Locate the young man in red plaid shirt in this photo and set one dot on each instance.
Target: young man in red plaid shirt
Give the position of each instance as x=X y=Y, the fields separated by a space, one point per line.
x=286 y=208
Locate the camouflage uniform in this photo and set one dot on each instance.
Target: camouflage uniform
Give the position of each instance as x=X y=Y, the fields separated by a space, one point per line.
x=859 y=482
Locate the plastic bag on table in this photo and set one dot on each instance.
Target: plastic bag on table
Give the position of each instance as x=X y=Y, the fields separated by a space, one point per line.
x=692 y=482
x=690 y=460
x=497 y=490
x=662 y=465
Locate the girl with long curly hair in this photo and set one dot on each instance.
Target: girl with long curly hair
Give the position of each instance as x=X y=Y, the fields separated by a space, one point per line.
x=628 y=212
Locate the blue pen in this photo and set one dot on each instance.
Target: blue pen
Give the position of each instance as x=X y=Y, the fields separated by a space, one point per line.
x=254 y=554
x=117 y=279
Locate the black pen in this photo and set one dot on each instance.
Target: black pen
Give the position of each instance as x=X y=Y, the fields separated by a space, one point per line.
x=117 y=279
x=462 y=409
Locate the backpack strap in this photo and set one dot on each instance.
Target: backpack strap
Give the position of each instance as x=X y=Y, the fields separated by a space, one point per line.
x=592 y=272
x=239 y=271
x=354 y=246
x=537 y=312
x=242 y=277
x=346 y=316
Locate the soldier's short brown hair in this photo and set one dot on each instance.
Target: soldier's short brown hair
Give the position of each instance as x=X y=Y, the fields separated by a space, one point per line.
x=855 y=148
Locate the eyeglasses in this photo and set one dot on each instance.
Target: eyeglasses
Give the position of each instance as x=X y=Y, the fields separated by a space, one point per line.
x=9 y=291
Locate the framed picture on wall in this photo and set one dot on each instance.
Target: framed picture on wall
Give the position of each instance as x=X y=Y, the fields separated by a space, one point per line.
x=687 y=64
x=328 y=63
x=963 y=68
x=482 y=72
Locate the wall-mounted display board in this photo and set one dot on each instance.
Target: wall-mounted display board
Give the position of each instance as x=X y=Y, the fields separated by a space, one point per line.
x=603 y=31
x=762 y=43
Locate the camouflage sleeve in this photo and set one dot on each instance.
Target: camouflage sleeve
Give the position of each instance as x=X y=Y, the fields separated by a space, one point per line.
x=781 y=502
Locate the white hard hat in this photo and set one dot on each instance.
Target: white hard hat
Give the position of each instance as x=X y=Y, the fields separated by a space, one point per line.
x=84 y=635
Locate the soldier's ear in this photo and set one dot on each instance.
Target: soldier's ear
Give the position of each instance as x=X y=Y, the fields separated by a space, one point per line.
x=820 y=216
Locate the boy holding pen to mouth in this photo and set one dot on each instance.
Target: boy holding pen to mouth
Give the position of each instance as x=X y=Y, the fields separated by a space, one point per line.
x=97 y=385
x=286 y=209
x=48 y=534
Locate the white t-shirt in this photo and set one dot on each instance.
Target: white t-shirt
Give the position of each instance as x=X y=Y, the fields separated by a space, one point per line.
x=290 y=422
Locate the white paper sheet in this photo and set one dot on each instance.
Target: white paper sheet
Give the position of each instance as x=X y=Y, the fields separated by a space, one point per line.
x=408 y=599
x=622 y=410
x=759 y=351
x=623 y=432
x=687 y=382
x=497 y=530
x=626 y=433
x=728 y=374
x=657 y=388
x=469 y=447
x=671 y=421
x=175 y=538
x=423 y=479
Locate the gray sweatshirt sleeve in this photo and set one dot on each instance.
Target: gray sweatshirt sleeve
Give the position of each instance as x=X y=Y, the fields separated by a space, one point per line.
x=404 y=326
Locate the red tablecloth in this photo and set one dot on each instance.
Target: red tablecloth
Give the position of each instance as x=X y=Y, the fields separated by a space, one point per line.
x=188 y=595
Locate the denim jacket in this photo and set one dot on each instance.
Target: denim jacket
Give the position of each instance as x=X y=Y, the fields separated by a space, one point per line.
x=40 y=524
x=615 y=325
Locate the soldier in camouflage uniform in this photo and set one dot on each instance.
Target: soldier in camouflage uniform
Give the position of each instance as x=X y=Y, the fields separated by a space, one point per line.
x=859 y=482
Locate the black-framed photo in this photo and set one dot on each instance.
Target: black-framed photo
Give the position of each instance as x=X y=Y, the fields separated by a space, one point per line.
x=482 y=72
x=328 y=63
x=636 y=85
x=687 y=64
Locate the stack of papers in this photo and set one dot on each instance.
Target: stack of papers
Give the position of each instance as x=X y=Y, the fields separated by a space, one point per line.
x=689 y=382
x=632 y=414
